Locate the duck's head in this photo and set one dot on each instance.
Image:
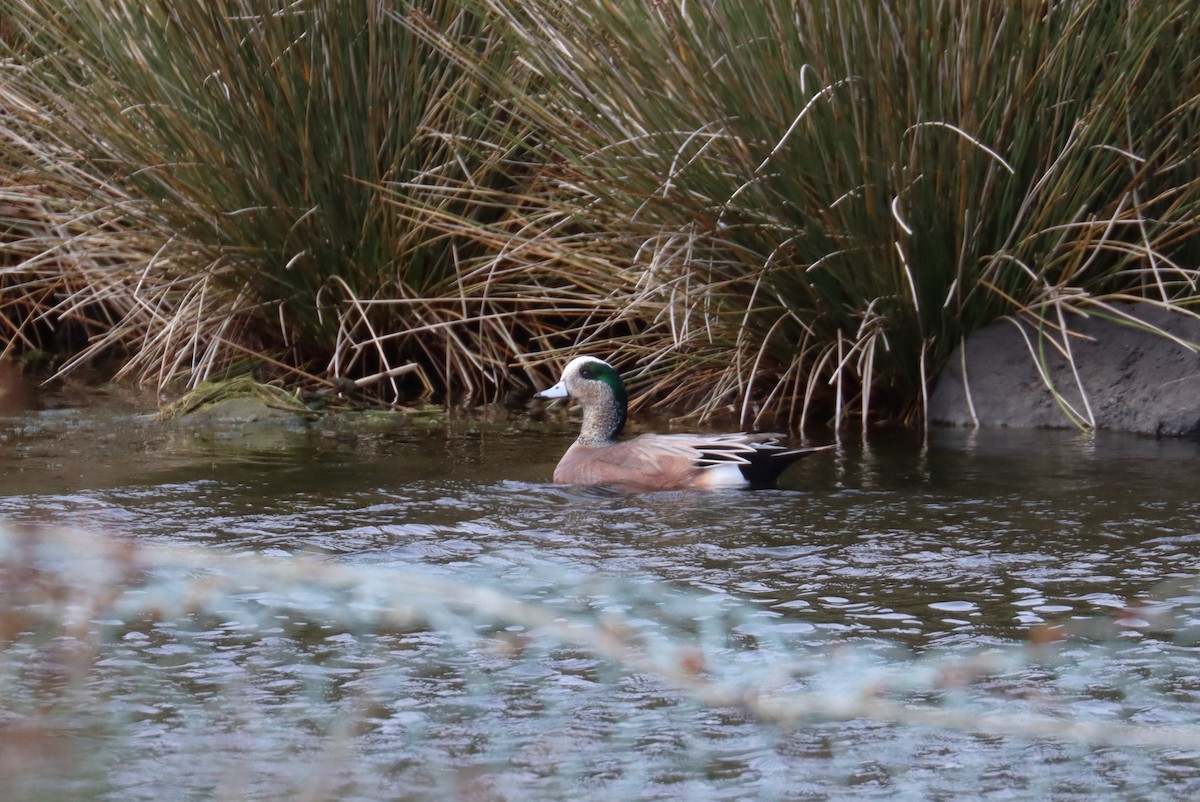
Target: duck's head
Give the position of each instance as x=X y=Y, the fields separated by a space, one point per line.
x=597 y=387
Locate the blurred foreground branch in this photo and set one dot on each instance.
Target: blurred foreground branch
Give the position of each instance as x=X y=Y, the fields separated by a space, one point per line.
x=65 y=581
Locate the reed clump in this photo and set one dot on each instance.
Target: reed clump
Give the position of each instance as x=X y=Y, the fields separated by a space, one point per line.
x=779 y=209
x=819 y=200
x=203 y=182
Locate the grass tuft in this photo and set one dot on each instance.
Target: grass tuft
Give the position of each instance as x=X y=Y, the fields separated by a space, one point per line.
x=814 y=203
x=203 y=182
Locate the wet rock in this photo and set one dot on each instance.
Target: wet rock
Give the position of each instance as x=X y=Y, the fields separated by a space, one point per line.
x=234 y=403
x=1132 y=379
x=241 y=410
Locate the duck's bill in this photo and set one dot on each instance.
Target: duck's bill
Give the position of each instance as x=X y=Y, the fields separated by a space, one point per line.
x=557 y=391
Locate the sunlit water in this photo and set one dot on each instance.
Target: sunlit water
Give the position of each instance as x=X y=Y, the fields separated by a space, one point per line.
x=901 y=549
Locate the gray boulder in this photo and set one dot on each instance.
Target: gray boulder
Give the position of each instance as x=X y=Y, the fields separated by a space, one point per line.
x=1125 y=378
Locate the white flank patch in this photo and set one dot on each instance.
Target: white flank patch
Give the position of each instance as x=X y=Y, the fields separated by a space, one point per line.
x=724 y=475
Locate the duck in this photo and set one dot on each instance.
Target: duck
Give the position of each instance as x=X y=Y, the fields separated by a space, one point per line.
x=656 y=461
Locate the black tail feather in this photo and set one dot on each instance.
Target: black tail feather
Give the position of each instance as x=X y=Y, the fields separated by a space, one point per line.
x=765 y=465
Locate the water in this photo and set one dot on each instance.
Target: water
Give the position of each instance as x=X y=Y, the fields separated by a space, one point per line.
x=873 y=565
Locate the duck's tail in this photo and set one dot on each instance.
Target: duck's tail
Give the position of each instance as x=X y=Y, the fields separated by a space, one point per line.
x=768 y=461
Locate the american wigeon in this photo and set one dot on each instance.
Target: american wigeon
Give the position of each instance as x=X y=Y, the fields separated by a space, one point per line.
x=656 y=461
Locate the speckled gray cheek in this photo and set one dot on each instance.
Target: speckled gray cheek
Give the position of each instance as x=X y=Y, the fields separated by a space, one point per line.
x=604 y=412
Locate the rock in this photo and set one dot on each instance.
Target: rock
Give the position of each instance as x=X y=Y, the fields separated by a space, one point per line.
x=1133 y=380
x=241 y=410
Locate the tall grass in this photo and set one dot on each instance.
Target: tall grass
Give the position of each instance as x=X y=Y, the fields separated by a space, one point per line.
x=217 y=180
x=819 y=200
x=772 y=208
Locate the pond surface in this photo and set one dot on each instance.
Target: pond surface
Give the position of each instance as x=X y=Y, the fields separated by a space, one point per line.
x=1071 y=557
